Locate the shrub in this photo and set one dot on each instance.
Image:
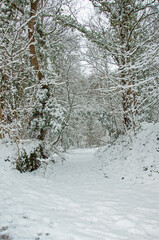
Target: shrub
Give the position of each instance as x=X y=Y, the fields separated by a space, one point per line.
x=29 y=162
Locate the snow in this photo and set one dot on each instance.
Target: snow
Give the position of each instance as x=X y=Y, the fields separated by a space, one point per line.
x=136 y=161
x=85 y=198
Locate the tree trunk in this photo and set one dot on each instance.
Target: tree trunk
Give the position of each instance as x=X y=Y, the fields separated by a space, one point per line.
x=0 y=121
x=31 y=32
x=124 y=60
x=2 y=99
x=33 y=55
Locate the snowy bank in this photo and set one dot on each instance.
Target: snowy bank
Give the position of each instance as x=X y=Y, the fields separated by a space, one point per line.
x=133 y=160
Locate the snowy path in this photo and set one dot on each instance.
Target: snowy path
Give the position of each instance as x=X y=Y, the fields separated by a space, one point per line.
x=77 y=203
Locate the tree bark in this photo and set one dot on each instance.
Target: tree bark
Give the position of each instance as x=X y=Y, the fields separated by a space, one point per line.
x=33 y=54
x=31 y=32
x=0 y=120
x=2 y=99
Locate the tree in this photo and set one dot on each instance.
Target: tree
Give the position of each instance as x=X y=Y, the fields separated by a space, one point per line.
x=126 y=41
x=38 y=65
x=123 y=33
x=107 y=99
x=11 y=66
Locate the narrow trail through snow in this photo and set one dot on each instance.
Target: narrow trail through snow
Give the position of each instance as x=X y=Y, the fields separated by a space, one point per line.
x=76 y=202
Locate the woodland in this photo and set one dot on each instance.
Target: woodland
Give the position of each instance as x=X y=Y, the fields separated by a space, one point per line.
x=67 y=80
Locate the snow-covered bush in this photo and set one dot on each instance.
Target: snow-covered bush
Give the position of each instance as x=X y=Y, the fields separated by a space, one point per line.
x=29 y=162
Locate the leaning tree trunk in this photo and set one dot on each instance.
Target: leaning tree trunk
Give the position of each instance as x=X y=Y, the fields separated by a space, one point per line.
x=31 y=32
x=33 y=54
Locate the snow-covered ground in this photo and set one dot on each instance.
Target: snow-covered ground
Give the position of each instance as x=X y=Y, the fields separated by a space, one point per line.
x=109 y=194
x=136 y=161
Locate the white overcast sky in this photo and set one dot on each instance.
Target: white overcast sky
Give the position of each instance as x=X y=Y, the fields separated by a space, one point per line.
x=84 y=10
